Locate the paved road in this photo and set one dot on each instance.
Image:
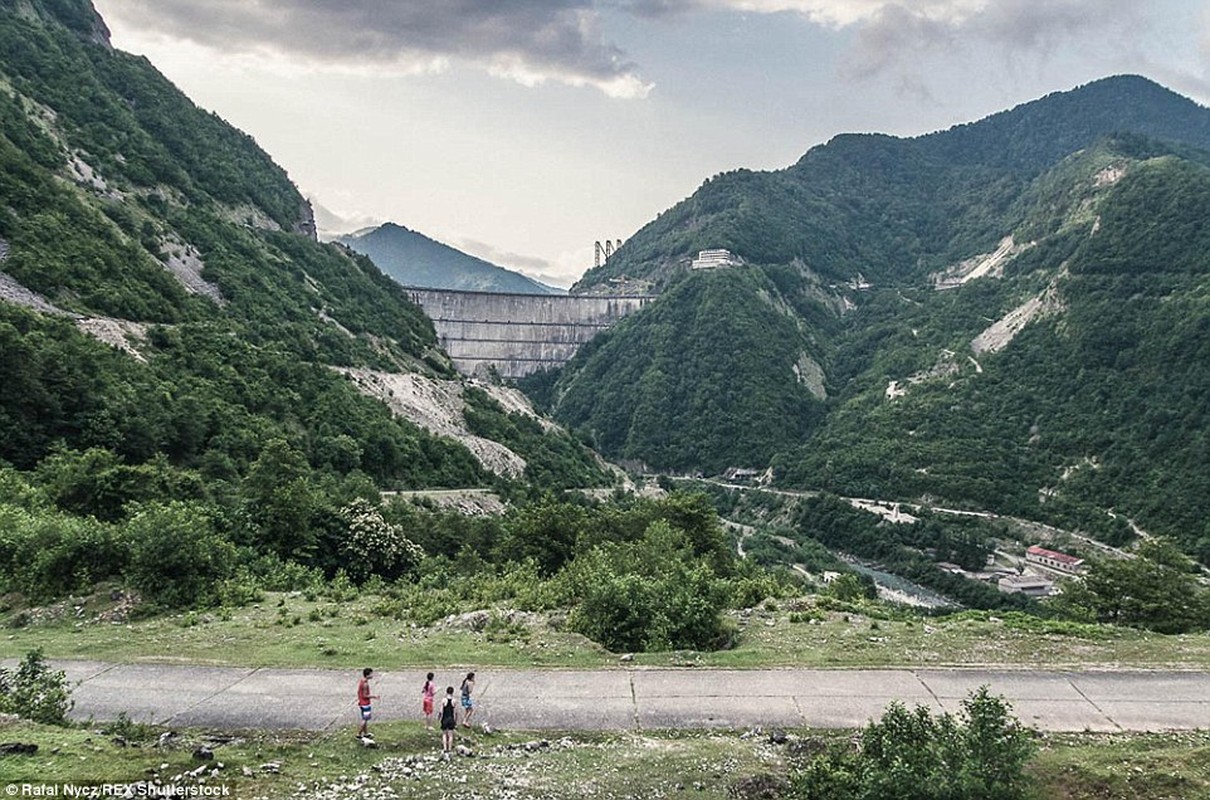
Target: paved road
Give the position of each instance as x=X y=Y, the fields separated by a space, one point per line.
x=235 y=697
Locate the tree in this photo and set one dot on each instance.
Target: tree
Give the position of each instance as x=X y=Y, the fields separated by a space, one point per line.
x=176 y=556
x=648 y=595
x=280 y=501
x=546 y=531
x=373 y=546
x=1156 y=590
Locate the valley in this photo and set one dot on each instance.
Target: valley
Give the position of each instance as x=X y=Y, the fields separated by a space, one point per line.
x=925 y=415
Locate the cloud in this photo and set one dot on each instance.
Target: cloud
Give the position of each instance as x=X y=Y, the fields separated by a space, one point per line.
x=894 y=34
x=533 y=265
x=888 y=33
x=532 y=41
x=332 y=224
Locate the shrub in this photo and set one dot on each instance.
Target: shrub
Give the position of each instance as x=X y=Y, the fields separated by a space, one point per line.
x=176 y=556
x=914 y=755
x=273 y=574
x=374 y=547
x=35 y=691
x=653 y=594
x=47 y=554
x=131 y=732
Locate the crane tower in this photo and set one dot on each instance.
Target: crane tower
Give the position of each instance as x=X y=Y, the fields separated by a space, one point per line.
x=603 y=252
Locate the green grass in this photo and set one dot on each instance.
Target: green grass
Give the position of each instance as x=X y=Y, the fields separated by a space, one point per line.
x=660 y=764
x=1156 y=766
x=292 y=631
x=668 y=764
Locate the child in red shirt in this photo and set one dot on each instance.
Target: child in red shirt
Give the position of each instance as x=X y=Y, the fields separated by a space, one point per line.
x=364 y=699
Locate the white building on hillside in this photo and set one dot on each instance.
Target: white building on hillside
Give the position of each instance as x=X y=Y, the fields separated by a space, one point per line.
x=1028 y=585
x=714 y=259
x=1054 y=559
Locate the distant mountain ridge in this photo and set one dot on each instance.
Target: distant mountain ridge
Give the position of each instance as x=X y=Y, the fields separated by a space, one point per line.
x=413 y=259
x=908 y=184
x=1009 y=315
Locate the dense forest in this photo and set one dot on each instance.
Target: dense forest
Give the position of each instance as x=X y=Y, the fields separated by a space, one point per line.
x=216 y=443
x=1006 y=316
x=219 y=419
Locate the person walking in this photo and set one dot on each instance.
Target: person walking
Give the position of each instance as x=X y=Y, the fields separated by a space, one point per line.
x=426 y=701
x=364 y=702
x=468 y=702
x=449 y=721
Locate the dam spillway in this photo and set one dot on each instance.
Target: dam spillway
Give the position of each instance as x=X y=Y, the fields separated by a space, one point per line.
x=517 y=334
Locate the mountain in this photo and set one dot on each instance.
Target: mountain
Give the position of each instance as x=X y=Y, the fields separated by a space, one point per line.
x=172 y=333
x=1007 y=316
x=414 y=259
x=887 y=207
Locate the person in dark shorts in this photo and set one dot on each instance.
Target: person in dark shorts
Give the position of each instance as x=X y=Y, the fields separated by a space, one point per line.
x=468 y=703
x=364 y=700
x=449 y=721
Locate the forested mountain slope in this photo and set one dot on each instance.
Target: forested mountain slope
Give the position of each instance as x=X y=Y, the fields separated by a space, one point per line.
x=170 y=329
x=891 y=208
x=1010 y=315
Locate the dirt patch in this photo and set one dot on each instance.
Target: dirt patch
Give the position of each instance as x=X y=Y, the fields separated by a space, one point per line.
x=980 y=266
x=467 y=502
x=997 y=336
x=437 y=406
x=13 y=292
x=514 y=402
x=121 y=333
x=185 y=263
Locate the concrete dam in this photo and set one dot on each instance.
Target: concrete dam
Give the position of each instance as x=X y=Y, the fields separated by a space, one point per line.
x=518 y=333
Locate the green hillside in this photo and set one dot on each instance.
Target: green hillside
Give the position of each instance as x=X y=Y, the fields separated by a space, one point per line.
x=892 y=208
x=175 y=343
x=1009 y=316
x=201 y=403
x=717 y=373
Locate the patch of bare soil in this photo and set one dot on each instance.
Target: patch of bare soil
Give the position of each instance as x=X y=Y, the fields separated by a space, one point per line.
x=437 y=406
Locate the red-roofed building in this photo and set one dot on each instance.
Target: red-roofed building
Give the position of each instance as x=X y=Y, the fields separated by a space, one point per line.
x=1053 y=559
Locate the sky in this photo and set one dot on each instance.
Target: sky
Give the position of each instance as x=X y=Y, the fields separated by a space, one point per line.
x=522 y=131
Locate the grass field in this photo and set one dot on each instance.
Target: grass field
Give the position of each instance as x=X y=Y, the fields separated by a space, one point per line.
x=514 y=765
x=292 y=631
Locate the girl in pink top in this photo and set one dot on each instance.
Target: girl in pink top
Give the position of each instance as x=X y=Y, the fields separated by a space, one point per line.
x=426 y=696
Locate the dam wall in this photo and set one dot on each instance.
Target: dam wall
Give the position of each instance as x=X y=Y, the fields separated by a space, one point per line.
x=517 y=334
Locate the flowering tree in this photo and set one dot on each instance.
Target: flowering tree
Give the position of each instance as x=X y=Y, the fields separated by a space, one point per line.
x=373 y=546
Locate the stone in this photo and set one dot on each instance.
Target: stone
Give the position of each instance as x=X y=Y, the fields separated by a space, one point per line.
x=759 y=787
x=18 y=749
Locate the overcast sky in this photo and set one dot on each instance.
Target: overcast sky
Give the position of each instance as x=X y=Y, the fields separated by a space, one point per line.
x=523 y=130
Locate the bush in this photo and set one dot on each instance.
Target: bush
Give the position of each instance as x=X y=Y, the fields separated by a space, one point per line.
x=913 y=755
x=272 y=574
x=176 y=556
x=35 y=691
x=46 y=554
x=653 y=594
x=374 y=547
